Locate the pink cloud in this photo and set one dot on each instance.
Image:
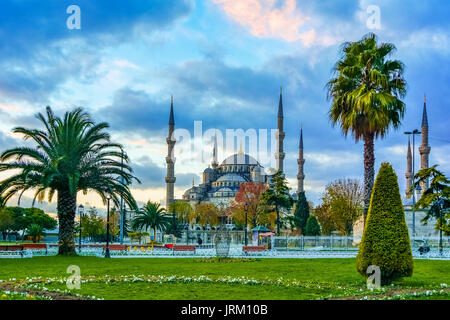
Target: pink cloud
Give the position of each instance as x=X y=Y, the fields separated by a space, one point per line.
x=266 y=21
x=10 y=108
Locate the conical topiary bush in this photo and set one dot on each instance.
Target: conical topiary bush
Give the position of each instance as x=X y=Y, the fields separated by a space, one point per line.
x=385 y=242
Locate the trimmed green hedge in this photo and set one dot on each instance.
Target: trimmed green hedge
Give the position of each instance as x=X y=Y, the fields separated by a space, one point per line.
x=385 y=242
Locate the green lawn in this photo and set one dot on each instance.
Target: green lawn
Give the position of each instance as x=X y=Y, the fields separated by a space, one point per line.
x=270 y=278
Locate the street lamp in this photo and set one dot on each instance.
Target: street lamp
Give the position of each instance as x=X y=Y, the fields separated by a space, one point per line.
x=441 y=208
x=80 y=212
x=245 y=230
x=413 y=133
x=121 y=203
x=107 y=255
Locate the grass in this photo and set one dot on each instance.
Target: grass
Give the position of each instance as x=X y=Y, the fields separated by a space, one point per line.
x=291 y=279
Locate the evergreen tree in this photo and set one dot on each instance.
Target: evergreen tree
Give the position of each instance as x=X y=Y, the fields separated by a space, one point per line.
x=277 y=196
x=301 y=213
x=436 y=199
x=385 y=242
x=312 y=227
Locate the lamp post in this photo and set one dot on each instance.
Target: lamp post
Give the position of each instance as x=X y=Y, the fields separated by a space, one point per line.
x=441 y=208
x=80 y=212
x=121 y=203
x=413 y=133
x=246 y=225
x=107 y=254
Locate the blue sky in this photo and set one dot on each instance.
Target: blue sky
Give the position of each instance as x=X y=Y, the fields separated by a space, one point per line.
x=224 y=61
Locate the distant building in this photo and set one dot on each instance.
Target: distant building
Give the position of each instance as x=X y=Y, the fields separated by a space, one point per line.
x=421 y=229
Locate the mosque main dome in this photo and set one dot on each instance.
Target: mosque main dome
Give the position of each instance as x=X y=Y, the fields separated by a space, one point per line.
x=240 y=159
x=222 y=182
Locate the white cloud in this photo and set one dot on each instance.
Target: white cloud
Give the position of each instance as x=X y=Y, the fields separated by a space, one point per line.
x=428 y=39
x=333 y=158
x=126 y=64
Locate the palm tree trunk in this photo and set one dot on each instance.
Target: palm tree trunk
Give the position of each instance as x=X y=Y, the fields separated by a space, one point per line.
x=154 y=237
x=66 y=217
x=369 y=170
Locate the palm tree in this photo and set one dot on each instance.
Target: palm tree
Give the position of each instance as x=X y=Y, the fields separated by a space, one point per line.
x=151 y=216
x=365 y=95
x=72 y=154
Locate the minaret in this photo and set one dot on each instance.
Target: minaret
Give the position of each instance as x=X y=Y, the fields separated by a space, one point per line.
x=408 y=174
x=170 y=159
x=279 y=155
x=301 y=163
x=214 y=163
x=424 y=148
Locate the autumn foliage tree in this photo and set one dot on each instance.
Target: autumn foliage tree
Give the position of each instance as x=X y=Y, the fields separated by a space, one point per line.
x=250 y=193
x=205 y=214
x=322 y=213
x=343 y=199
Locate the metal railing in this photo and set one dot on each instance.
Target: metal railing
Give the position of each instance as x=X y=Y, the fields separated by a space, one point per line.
x=337 y=243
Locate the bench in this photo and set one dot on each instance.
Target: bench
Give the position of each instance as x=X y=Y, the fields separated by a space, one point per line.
x=112 y=247
x=10 y=250
x=35 y=246
x=117 y=247
x=184 y=248
x=253 y=249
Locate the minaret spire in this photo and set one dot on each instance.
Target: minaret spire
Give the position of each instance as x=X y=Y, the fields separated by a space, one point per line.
x=170 y=159
x=171 y=117
x=279 y=155
x=214 y=163
x=408 y=174
x=424 y=148
x=301 y=163
x=424 y=115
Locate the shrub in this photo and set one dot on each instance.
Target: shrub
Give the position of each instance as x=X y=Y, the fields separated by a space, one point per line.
x=312 y=227
x=385 y=242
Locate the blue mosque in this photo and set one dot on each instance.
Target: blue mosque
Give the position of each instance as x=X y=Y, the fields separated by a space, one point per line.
x=221 y=182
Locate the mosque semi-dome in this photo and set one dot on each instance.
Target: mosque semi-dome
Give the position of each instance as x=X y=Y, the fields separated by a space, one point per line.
x=209 y=170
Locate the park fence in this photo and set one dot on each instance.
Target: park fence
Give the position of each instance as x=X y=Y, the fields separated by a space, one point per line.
x=342 y=243
x=304 y=243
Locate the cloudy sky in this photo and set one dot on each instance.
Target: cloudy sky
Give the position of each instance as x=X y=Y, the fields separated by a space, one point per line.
x=224 y=62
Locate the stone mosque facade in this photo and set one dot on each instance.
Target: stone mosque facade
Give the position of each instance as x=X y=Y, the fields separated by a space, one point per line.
x=221 y=182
